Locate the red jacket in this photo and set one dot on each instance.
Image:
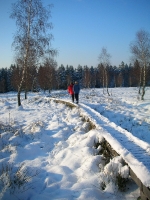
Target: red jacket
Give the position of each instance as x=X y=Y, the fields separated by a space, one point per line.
x=70 y=89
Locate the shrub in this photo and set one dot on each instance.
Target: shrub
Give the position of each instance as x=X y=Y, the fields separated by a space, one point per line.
x=15 y=179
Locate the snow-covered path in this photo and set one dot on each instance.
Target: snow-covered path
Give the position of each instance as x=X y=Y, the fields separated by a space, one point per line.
x=134 y=151
x=50 y=138
x=128 y=145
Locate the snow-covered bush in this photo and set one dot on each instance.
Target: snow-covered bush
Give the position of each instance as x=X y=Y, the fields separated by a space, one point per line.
x=114 y=171
x=34 y=129
x=14 y=180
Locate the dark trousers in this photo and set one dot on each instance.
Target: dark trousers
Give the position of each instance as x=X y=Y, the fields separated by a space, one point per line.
x=77 y=97
x=72 y=96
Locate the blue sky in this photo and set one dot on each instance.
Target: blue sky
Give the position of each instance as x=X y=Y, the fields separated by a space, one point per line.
x=82 y=28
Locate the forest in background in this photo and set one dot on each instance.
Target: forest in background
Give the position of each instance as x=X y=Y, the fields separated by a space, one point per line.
x=48 y=76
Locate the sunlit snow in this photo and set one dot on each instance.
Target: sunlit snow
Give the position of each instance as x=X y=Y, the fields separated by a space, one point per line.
x=54 y=151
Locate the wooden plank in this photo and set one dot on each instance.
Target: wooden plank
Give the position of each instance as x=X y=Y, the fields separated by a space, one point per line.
x=144 y=191
x=64 y=102
x=142 y=196
x=136 y=179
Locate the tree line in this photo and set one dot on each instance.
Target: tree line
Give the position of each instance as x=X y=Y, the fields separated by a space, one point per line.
x=36 y=69
x=48 y=76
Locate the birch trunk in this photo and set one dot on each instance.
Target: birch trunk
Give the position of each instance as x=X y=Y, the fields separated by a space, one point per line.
x=103 y=81
x=140 y=81
x=106 y=75
x=25 y=57
x=144 y=82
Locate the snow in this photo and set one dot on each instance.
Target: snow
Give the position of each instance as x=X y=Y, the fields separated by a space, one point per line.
x=48 y=152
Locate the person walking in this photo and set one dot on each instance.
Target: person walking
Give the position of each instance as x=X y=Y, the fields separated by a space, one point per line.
x=76 y=89
x=70 y=91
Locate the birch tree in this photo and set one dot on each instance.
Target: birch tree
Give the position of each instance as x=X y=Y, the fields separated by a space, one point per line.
x=140 y=49
x=33 y=37
x=104 y=59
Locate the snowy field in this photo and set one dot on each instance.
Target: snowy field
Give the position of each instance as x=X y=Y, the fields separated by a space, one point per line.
x=47 y=151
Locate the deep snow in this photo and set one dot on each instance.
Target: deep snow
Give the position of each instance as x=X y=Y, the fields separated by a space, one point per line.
x=54 y=148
